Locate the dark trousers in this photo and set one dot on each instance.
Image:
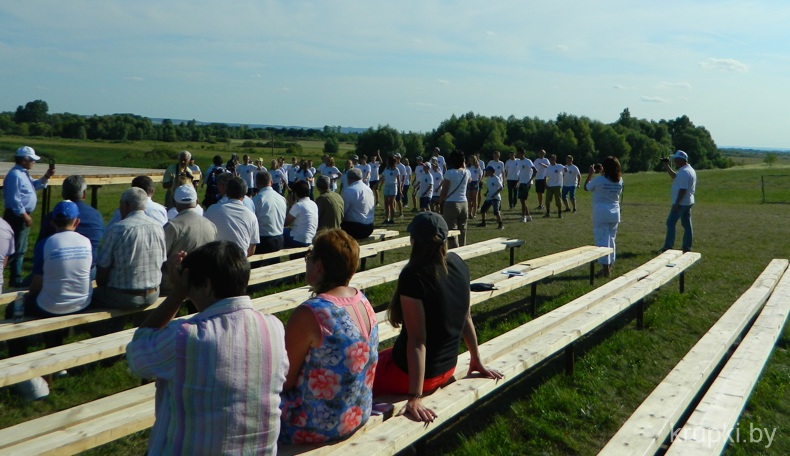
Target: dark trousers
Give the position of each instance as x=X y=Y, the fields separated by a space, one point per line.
x=357 y=230
x=21 y=236
x=512 y=192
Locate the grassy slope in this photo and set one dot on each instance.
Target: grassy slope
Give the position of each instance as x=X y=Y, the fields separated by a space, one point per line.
x=573 y=415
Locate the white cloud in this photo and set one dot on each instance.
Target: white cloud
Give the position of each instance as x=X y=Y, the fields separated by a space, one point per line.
x=133 y=78
x=648 y=99
x=674 y=85
x=443 y=81
x=724 y=65
x=622 y=87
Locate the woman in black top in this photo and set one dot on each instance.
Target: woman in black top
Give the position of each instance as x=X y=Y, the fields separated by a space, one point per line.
x=432 y=304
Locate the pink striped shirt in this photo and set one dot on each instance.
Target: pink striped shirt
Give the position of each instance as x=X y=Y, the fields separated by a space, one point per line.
x=218 y=379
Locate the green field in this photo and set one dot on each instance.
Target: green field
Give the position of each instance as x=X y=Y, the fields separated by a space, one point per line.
x=552 y=413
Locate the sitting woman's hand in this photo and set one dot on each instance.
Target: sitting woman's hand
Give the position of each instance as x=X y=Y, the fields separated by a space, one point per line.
x=475 y=365
x=415 y=410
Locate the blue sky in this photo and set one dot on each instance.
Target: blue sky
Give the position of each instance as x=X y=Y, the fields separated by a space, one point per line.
x=409 y=64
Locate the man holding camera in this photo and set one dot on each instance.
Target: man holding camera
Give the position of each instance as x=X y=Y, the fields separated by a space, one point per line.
x=684 y=184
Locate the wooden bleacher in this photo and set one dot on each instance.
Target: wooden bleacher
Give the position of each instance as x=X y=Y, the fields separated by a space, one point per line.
x=31 y=325
x=100 y=422
x=656 y=421
x=50 y=360
x=512 y=353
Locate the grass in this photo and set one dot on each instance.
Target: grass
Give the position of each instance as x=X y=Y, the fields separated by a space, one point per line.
x=550 y=413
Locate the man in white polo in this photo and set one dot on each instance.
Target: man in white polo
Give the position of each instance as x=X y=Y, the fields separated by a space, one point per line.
x=270 y=209
x=358 y=206
x=234 y=221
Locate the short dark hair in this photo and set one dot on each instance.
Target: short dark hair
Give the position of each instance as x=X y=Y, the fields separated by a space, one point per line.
x=221 y=263
x=236 y=188
x=455 y=160
x=217 y=160
x=145 y=183
x=301 y=189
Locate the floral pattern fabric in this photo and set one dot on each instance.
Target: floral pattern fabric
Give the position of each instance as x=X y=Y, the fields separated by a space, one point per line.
x=333 y=393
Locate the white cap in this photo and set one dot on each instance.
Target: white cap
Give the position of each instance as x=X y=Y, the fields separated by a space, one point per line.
x=185 y=194
x=27 y=151
x=681 y=155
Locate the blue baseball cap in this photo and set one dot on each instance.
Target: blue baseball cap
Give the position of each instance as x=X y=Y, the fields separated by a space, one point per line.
x=65 y=210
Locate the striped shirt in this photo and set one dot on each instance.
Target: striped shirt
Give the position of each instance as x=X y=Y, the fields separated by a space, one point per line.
x=133 y=250
x=218 y=379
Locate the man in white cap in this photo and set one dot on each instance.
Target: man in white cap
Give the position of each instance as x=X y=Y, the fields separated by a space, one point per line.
x=684 y=185
x=19 y=196
x=188 y=230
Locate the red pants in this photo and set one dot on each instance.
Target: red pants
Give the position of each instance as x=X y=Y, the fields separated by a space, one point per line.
x=390 y=379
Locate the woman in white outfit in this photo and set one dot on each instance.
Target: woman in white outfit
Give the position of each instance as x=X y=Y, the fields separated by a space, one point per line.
x=606 y=192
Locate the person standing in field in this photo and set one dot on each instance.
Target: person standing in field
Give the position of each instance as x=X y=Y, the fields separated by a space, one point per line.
x=498 y=165
x=391 y=178
x=606 y=190
x=554 y=176
x=570 y=182
x=452 y=198
x=375 y=164
x=172 y=173
x=475 y=176
x=511 y=175
x=19 y=197
x=493 y=198
x=541 y=163
x=526 y=173
x=684 y=185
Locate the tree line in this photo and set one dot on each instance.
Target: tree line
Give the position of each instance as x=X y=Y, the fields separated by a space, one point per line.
x=637 y=143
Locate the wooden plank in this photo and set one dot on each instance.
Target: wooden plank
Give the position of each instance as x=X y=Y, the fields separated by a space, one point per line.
x=86 y=412
x=90 y=434
x=397 y=433
x=653 y=421
x=506 y=283
x=111 y=426
x=30 y=365
x=709 y=426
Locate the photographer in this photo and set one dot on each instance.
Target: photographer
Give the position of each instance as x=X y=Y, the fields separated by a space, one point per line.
x=684 y=184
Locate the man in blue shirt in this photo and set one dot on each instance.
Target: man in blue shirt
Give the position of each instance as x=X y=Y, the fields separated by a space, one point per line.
x=19 y=196
x=91 y=223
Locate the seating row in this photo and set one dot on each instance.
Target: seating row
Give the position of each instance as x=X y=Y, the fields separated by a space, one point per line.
x=106 y=419
x=657 y=421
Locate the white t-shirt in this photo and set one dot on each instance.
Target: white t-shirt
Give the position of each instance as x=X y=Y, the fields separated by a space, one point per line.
x=236 y=223
x=554 y=175
x=333 y=174
x=605 y=199
x=525 y=172
x=247 y=173
x=571 y=176
x=685 y=178
x=402 y=173
x=493 y=184
x=438 y=180
x=305 y=224
x=499 y=168
x=321 y=169
x=475 y=173
x=278 y=177
x=406 y=176
x=374 y=171
x=541 y=169
x=512 y=169
x=442 y=162
x=66 y=272
x=425 y=181
x=390 y=176
x=291 y=172
x=365 y=172
x=456 y=181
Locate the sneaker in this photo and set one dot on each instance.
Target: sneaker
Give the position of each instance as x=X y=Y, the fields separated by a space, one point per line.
x=529 y=218
x=61 y=374
x=547 y=216
x=524 y=219
x=501 y=227
x=567 y=209
x=33 y=389
x=481 y=225
x=574 y=211
x=559 y=215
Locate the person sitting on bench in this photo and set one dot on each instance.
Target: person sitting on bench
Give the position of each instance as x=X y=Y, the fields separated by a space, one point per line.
x=432 y=302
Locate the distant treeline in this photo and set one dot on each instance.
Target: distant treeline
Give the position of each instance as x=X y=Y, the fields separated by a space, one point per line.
x=638 y=143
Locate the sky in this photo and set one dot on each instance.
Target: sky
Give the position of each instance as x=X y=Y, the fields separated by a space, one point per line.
x=408 y=64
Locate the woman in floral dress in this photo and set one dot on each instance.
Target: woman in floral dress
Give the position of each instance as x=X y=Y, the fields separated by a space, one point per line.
x=332 y=344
